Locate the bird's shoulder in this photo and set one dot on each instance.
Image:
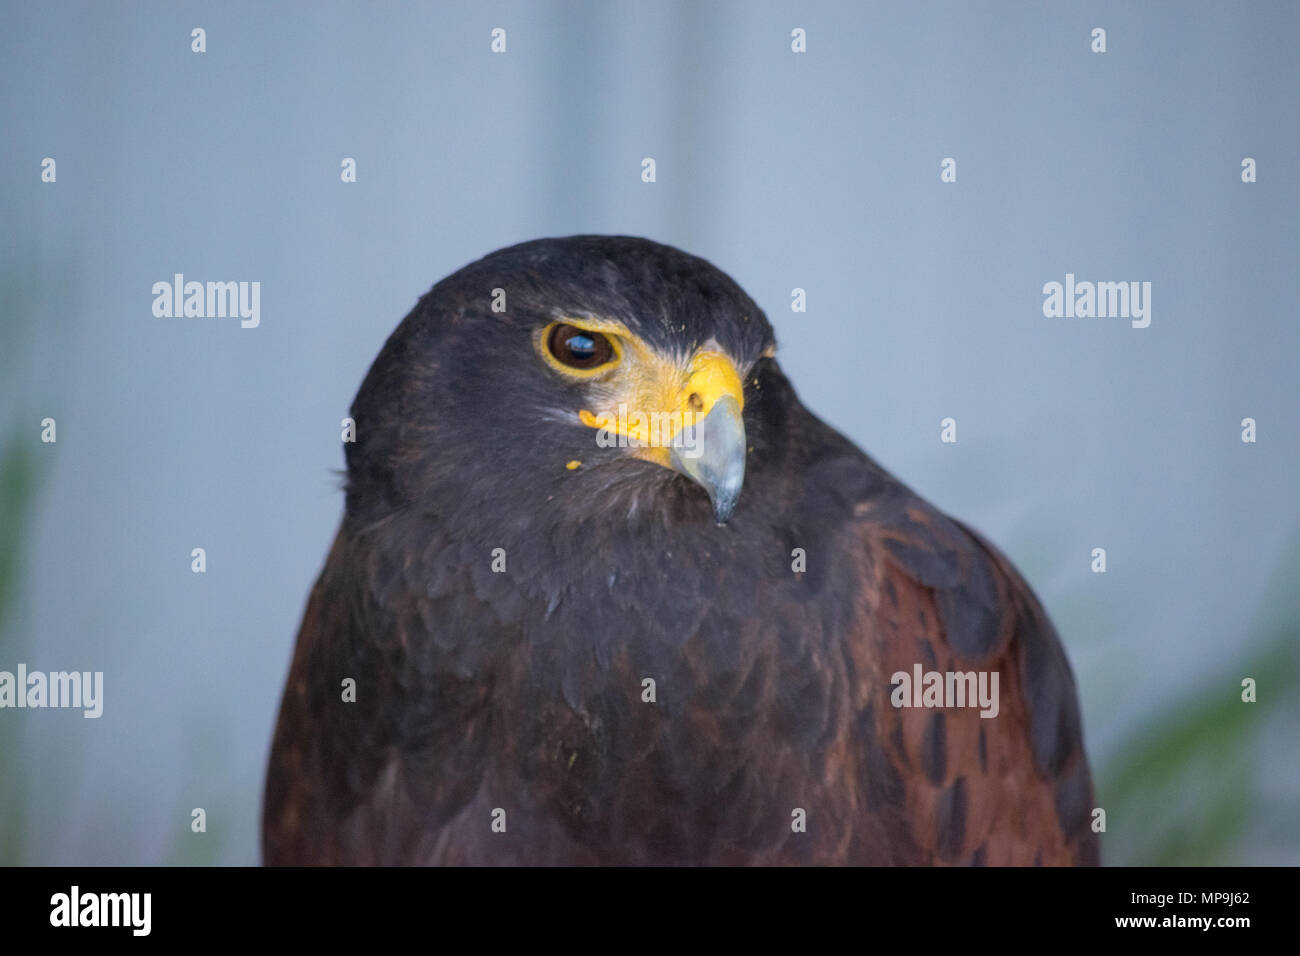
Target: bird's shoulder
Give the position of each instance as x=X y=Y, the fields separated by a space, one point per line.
x=930 y=595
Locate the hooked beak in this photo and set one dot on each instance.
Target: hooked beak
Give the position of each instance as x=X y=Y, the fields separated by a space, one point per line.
x=711 y=452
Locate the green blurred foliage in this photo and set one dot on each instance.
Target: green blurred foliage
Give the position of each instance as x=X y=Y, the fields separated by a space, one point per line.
x=1190 y=786
x=18 y=485
x=17 y=488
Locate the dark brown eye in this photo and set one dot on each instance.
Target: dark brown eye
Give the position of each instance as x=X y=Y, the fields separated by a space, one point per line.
x=578 y=348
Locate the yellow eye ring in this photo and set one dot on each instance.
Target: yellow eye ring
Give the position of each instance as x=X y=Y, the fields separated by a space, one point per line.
x=577 y=351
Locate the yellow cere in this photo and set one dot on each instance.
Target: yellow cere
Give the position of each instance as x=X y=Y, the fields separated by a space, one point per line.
x=713 y=375
x=573 y=464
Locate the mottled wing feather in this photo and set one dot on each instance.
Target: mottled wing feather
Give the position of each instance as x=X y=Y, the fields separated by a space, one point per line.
x=1011 y=789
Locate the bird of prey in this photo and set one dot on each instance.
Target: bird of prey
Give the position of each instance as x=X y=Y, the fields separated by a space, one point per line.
x=606 y=592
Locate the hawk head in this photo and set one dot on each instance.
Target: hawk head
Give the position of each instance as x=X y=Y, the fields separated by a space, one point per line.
x=586 y=373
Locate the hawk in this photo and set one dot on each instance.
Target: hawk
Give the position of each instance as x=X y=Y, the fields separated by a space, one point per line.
x=606 y=592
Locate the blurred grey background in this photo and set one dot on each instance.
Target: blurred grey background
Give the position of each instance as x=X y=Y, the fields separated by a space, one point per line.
x=819 y=171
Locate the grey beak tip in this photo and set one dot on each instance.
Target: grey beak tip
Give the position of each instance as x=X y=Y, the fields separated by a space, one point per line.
x=716 y=460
